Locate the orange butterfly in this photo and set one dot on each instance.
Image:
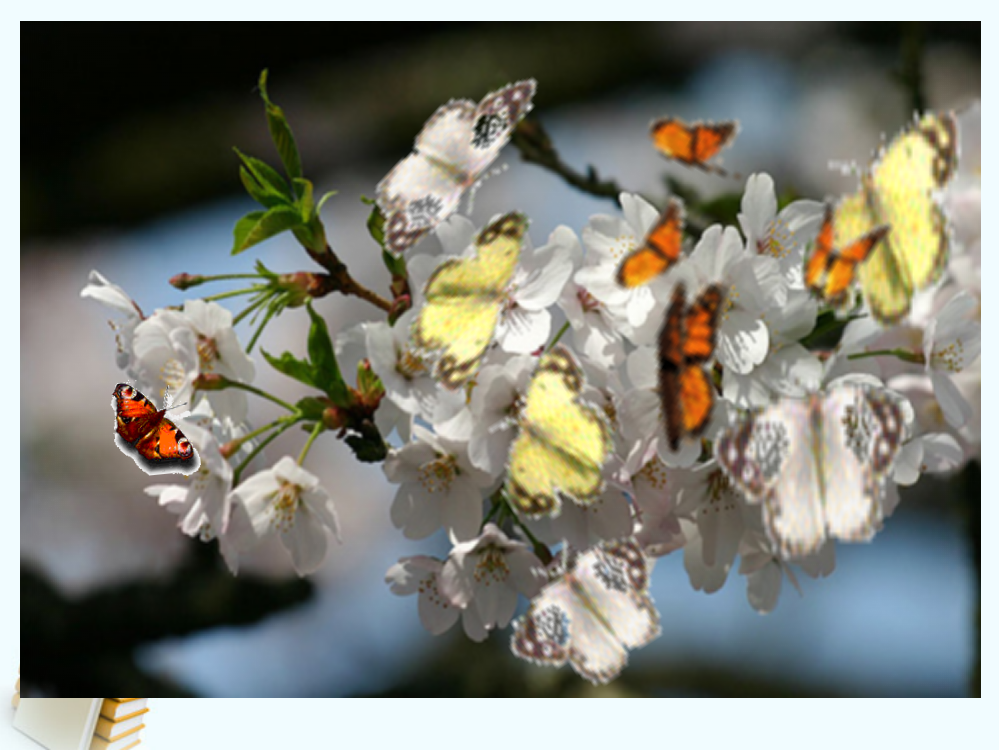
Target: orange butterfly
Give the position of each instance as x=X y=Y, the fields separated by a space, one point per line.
x=659 y=251
x=154 y=436
x=686 y=343
x=828 y=271
x=692 y=144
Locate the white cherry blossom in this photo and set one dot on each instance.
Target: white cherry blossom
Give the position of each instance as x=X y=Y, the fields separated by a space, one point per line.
x=285 y=500
x=438 y=486
x=783 y=236
x=486 y=574
x=607 y=240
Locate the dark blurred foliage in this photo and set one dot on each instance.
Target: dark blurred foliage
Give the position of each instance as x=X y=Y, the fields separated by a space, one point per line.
x=124 y=123
x=71 y=647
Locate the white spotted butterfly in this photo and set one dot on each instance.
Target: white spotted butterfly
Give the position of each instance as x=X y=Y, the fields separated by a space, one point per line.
x=817 y=465
x=592 y=613
x=453 y=149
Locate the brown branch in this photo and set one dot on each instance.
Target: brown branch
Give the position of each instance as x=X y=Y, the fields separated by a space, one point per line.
x=536 y=147
x=338 y=279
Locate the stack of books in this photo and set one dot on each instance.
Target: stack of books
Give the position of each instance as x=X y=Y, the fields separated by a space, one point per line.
x=120 y=724
x=81 y=723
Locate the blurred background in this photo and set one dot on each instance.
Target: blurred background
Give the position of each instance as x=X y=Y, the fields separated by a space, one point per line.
x=127 y=167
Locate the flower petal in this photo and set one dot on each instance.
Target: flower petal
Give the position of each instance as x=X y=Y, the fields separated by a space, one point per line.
x=743 y=341
x=955 y=409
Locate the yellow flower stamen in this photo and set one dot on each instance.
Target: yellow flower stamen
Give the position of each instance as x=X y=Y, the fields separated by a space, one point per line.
x=409 y=365
x=950 y=357
x=208 y=352
x=285 y=505
x=721 y=497
x=491 y=566
x=654 y=473
x=437 y=475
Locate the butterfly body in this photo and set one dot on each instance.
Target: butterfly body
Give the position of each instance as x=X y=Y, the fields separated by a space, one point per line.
x=901 y=190
x=829 y=270
x=141 y=424
x=591 y=614
x=464 y=298
x=816 y=464
x=658 y=252
x=452 y=151
x=693 y=144
x=686 y=343
x=562 y=444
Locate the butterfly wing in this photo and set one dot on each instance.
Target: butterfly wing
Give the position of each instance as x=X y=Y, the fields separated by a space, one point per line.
x=165 y=443
x=416 y=196
x=862 y=435
x=541 y=636
x=465 y=138
x=463 y=300
x=660 y=250
x=830 y=272
x=454 y=147
x=562 y=444
x=769 y=454
x=901 y=191
x=135 y=414
x=692 y=144
x=613 y=615
x=686 y=343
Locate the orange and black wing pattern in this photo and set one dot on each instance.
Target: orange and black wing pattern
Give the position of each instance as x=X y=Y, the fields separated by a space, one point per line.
x=693 y=144
x=139 y=422
x=686 y=343
x=829 y=272
x=659 y=252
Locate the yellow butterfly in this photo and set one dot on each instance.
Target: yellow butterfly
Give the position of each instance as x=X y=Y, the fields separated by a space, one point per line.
x=562 y=444
x=901 y=190
x=464 y=297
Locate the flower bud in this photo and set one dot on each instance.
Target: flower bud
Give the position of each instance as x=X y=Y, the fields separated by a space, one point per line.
x=184 y=281
x=211 y=381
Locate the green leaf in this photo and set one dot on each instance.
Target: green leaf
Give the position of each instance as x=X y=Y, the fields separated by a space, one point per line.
x=376 y=226
x=396 y=264
x=281 y=133
x=262 y=194
x=311 y=408
x=258 y=226
x=724 y=209
x=828 y=330
x=368 y=382
x=322 y=201
x=243 y=228
x=368 y=445
x=323 y=359
x=288 y=364
x=268 y=177
x=306 y=202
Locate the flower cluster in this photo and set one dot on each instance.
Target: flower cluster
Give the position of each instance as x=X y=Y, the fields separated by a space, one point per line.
x=774 y=339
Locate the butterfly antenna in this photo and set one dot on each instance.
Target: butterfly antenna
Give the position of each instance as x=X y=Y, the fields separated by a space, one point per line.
x=479 y=182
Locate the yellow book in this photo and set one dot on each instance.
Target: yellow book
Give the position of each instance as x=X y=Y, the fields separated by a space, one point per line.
x=110 y=729
x=118 y=709
x=121 y=742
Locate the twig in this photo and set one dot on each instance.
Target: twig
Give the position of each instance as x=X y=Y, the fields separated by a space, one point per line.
x=338 y=279
x=536 y=147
